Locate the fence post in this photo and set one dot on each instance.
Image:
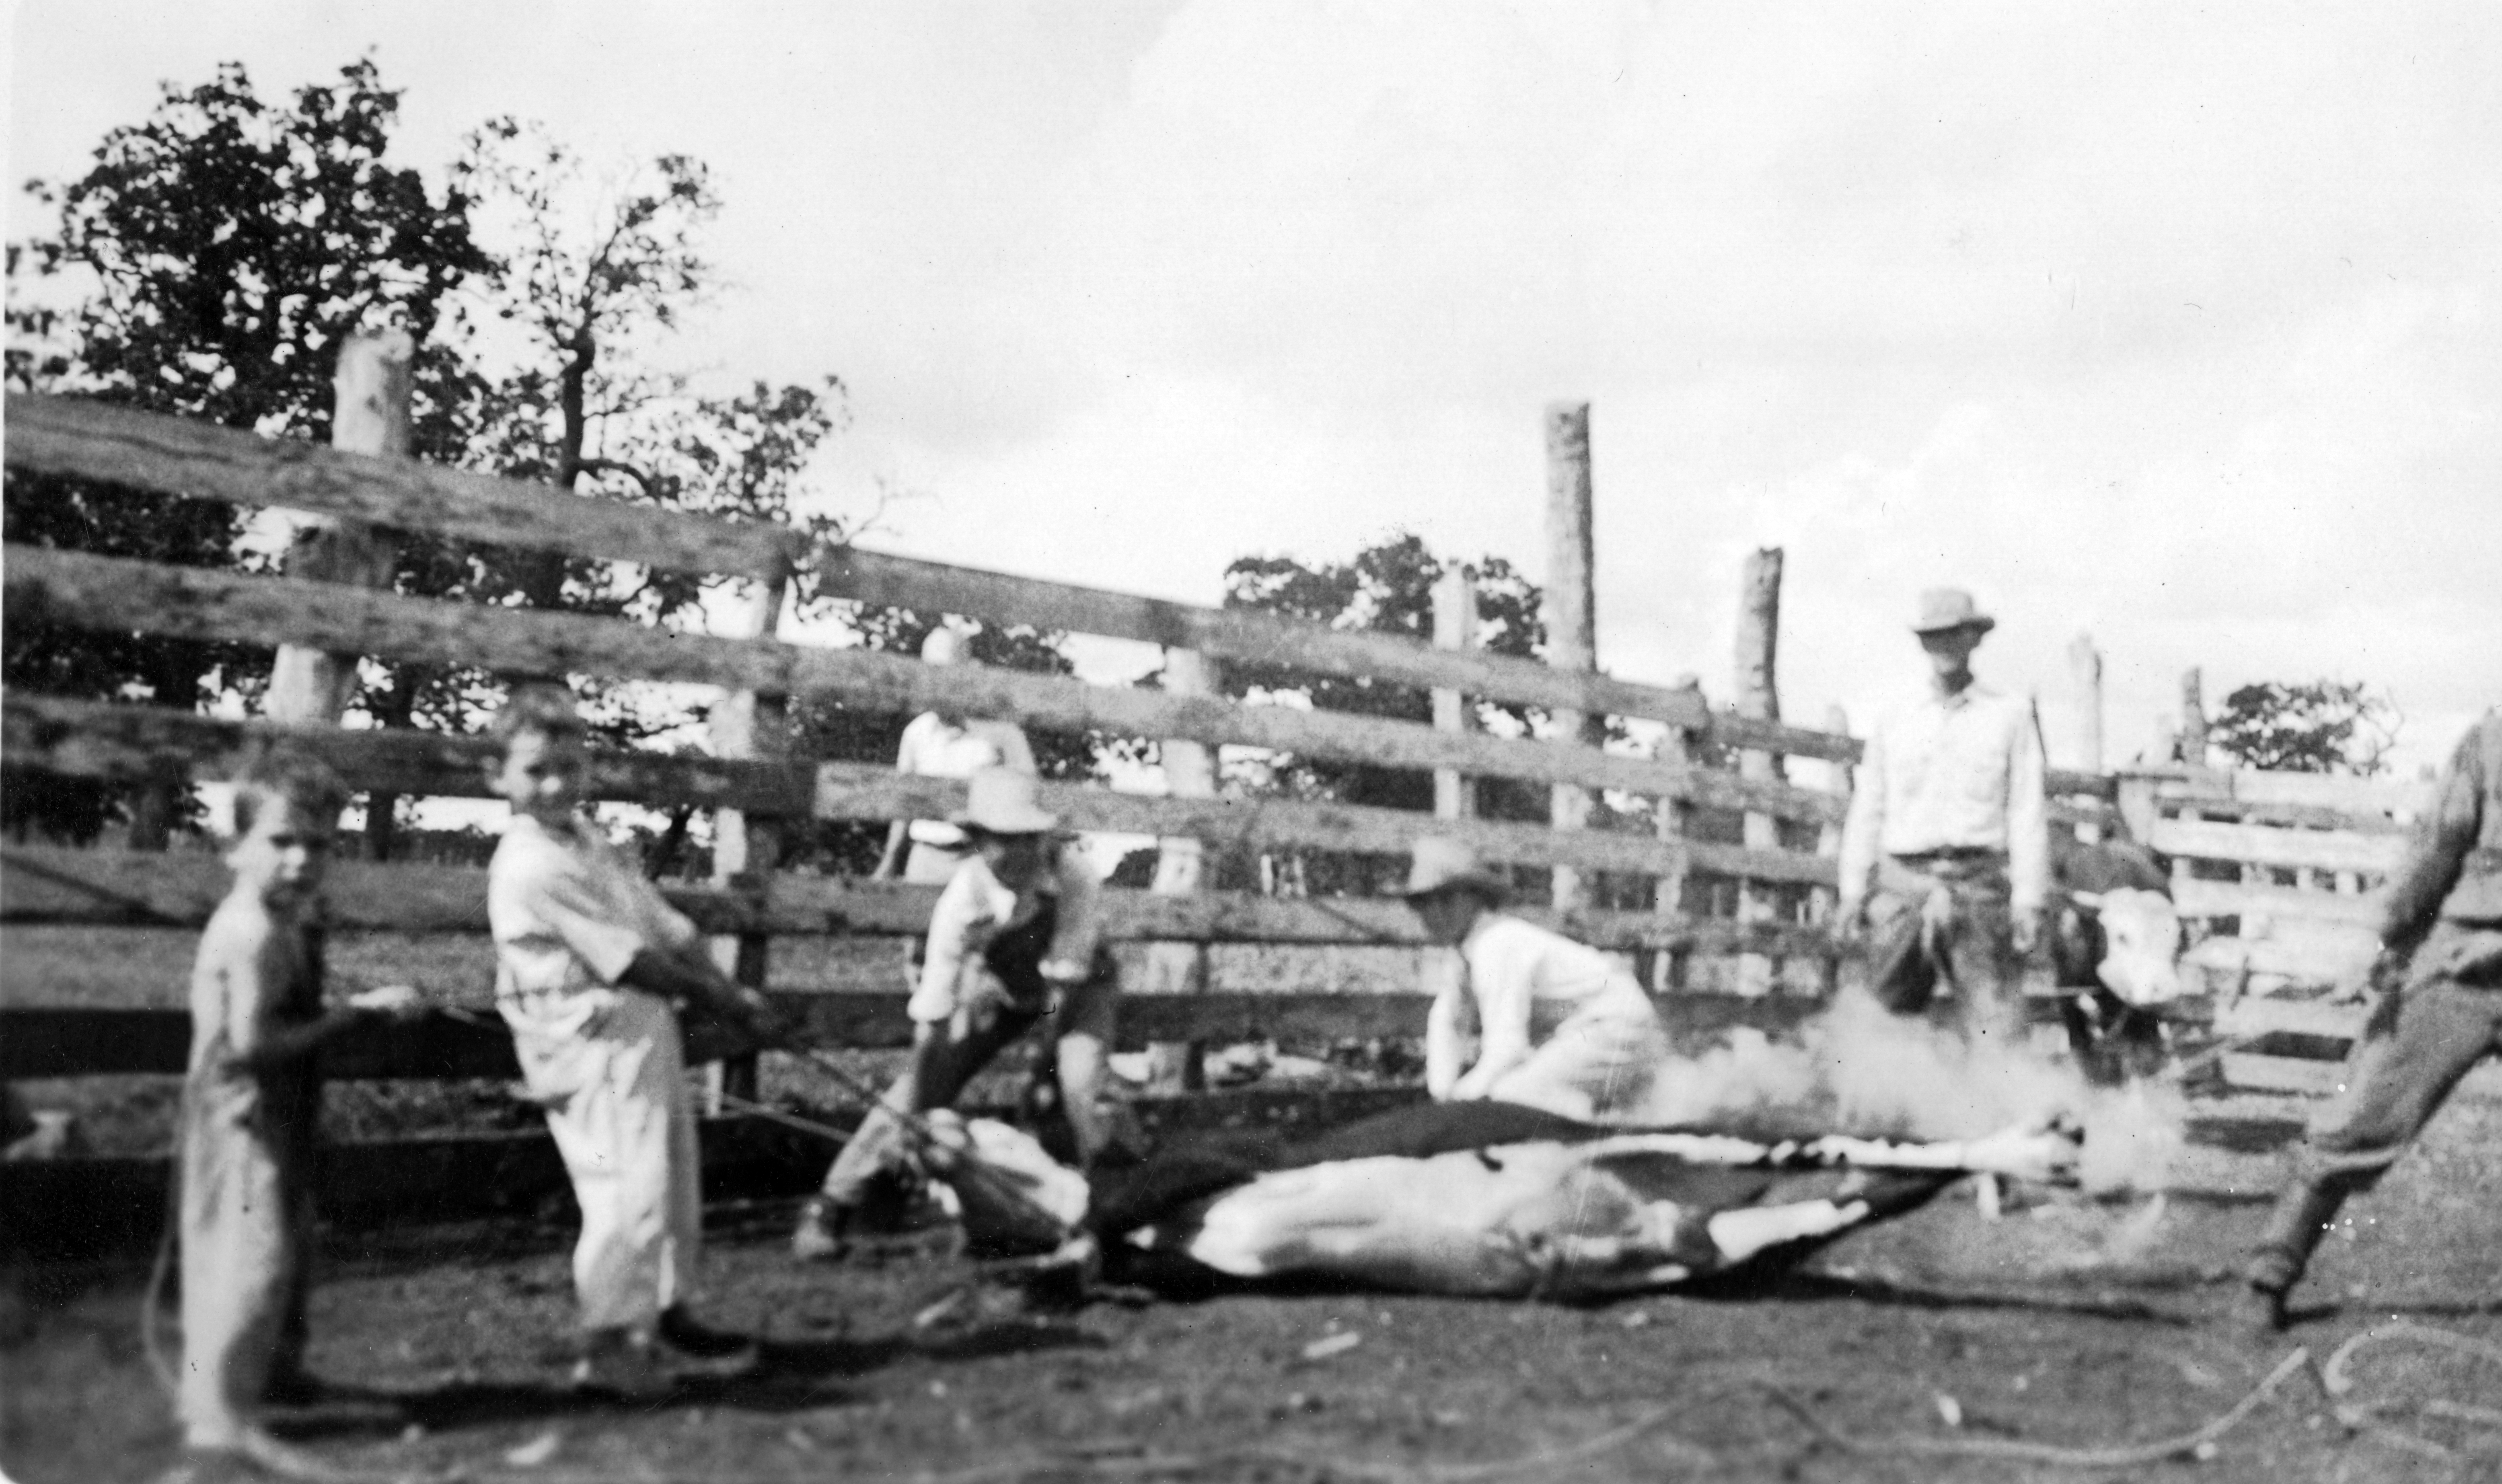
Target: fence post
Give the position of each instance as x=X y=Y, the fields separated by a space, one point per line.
x=1758 y=696
x=747 y=849
x=1455 y=611
x=1841 y=777
x=2086 y=675
x=2193 y=720
x=1570 y=611
x=1181 y=870
x=1673 y=817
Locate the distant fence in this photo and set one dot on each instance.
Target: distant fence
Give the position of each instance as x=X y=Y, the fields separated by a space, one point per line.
x=2328 y=841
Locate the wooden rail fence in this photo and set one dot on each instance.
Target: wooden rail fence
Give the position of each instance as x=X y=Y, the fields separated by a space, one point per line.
x=2300 y=856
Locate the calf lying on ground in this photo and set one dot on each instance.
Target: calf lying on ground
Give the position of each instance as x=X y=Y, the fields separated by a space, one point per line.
x=1472 y=1199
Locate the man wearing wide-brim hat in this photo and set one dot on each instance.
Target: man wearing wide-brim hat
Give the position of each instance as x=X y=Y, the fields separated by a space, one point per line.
x=1559 y=1026
x=1945 y=856
x=1014 y=943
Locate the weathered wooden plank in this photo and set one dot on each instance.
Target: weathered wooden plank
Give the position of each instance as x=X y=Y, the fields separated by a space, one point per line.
x=182 y=455
x=875 y=577
x=52 y=1041
x=2319 y=849
x=2231 y=898
x=95 y=740
x=150 y=450
x=2301 y=961
x=40 y=884
x=2381 y=796
x=2261 y=1014
x=197 y=603
x=2283 y=1074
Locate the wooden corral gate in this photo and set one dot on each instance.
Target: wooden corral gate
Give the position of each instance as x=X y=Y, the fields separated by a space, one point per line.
x=1215 y=974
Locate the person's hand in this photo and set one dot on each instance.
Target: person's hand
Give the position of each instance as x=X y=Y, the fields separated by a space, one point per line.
x=1063 y=972
x=2025 y=932
x=2388 y=973
x=765 y=1019
x=396 y=1001
x=1850 y=922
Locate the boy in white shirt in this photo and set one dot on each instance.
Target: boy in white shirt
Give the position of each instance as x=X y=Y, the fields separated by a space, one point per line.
x=1013 y=941
x=589 y=962
x=938 y=744
x=1559 y=1025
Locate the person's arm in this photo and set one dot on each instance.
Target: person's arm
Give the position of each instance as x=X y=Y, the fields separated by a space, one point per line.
x=691 y=977
x=890 y=862
x=1445 y=1039
x=2028 y=831
x=1077 y=934
x=945 y=950
x=1499 y=983
x=1862 y=830
x=2438 y=851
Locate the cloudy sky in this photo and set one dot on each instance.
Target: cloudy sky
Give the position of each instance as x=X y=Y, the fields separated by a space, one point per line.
x=2177 y=326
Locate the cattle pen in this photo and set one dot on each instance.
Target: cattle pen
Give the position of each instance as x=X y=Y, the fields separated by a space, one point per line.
x=1718 y=888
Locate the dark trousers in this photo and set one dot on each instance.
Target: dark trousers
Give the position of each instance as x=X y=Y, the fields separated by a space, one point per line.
x=2415 y=1047
x=1943 y=921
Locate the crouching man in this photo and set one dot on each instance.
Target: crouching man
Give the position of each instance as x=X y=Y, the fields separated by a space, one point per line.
x=2440 y=976
x=1013 y=943
x=1559 y=1026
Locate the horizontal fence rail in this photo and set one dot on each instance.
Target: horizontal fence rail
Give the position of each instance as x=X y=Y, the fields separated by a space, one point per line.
x=197 y=603
x=176 y=456
x=99 y=740
x=47 y=883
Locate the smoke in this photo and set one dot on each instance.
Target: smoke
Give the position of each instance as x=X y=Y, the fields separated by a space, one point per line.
x=1859 y=1069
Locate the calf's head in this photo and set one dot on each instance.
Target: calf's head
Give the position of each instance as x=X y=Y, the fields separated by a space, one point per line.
x=2141 y=931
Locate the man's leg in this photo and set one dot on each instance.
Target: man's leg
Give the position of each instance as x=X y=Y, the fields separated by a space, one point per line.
x=1900 y=973
x=2417 y=1046
x=1988 y=974
x=1085 y=1025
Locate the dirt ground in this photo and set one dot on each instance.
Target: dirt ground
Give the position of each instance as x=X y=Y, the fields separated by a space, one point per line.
x=2064 y=1323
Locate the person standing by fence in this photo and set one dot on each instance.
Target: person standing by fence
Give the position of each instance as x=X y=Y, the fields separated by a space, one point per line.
x=1946 y=854
x=2440 y=1012
x=590 y=963
x=251 y=1105
x=939 y=744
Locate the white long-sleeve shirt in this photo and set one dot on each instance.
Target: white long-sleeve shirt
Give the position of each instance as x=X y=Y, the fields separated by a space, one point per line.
x=1952 y=772
x=1516 y=983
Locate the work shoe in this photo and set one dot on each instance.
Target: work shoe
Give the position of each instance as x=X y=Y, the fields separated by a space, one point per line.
x=824 y=1231
x=721 y=1349
x=621 y=1365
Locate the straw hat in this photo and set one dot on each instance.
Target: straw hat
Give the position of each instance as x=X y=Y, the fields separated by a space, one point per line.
x=1004 y=801
x=1944 y=607
x=1442 y=864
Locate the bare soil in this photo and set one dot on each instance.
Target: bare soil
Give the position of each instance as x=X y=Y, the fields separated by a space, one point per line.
x=2045 y=1326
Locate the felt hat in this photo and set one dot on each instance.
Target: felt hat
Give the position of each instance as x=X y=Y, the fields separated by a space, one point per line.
x=1441 y=864
x=1004 y=801
x=1944 y=607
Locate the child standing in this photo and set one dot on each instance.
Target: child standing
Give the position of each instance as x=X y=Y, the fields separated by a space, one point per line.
x=251 y=1101
x=1013 y=941
x=589 y=961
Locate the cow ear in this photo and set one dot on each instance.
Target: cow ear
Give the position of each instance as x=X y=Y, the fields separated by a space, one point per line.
x=2091 y=901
